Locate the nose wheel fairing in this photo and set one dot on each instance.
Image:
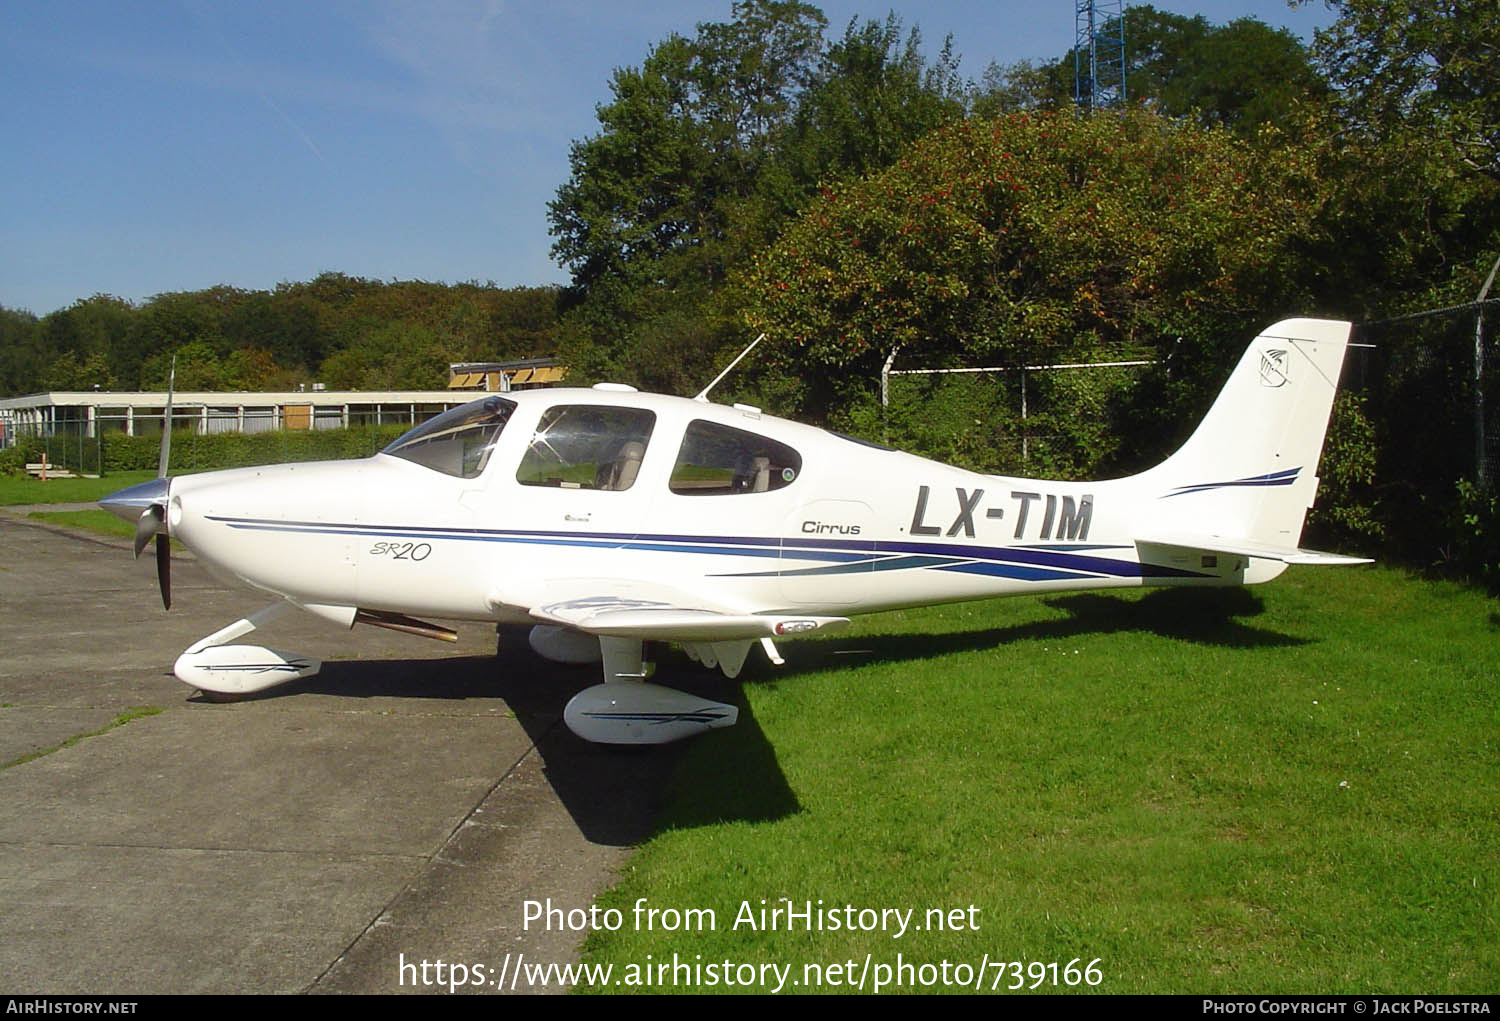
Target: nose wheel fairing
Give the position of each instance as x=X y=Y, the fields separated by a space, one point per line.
x=210 y=665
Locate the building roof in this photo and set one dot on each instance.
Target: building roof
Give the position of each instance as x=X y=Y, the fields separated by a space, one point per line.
x=231 y=399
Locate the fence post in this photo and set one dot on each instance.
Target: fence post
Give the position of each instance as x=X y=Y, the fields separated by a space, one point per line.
x=1481 y=458
x=1025 y=430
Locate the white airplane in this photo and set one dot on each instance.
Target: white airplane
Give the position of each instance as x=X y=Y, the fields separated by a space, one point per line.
x=607 y=518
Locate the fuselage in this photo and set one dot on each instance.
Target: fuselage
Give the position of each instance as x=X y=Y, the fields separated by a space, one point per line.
x=751 y=512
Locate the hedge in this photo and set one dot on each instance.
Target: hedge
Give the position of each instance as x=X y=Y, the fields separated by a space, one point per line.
x=192 y=452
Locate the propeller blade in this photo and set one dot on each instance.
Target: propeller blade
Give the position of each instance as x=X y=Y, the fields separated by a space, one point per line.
x=164 y=569
x=166 y=425
x=146 y=505
x=146 y=526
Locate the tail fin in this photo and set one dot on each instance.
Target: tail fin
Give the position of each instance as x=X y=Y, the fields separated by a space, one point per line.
x=1249 y=473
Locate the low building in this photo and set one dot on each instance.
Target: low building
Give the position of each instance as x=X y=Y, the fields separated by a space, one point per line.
x=94 y=413
x=503 y=377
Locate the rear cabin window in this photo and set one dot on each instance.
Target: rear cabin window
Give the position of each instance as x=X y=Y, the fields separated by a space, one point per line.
x=580 y=446
x=717 y=459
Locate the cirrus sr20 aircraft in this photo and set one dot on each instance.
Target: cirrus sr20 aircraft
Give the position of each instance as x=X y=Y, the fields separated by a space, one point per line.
x=608 y=518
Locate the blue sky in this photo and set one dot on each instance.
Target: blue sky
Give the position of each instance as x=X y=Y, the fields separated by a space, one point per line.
x=151 y=147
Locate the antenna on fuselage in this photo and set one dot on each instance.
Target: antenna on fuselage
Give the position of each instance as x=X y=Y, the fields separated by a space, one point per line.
x=703 y=394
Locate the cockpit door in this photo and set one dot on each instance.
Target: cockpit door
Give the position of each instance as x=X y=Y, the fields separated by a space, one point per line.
x=579 y=473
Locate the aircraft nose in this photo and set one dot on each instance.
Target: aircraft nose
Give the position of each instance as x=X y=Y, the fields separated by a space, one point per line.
x=130 y=503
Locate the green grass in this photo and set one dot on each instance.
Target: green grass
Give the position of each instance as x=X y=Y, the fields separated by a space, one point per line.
x=134 y=713
x=1286 y=789
x=15 y=490
x=97 y=521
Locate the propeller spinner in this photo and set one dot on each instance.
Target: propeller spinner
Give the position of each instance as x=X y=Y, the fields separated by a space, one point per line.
x=145 y=505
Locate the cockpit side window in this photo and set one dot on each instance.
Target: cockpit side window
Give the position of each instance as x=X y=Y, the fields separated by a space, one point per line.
x=717 y=459
x=457 y=442
x=579 y=446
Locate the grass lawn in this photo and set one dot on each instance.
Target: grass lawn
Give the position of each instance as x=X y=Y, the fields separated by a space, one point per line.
x=26 y=490
x=97 y=521
x=1292 y=788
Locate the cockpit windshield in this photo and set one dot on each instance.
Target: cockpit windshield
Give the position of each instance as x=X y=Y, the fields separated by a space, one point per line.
x=457 y=442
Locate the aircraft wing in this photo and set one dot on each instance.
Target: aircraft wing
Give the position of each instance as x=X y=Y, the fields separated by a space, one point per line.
x=1246 y=548
x=621 y=608
x=634 y=618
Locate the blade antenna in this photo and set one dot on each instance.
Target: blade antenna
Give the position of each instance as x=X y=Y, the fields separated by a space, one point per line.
x=703 y=394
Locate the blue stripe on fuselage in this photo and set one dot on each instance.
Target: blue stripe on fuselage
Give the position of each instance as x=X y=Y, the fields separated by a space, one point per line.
x=849 y=555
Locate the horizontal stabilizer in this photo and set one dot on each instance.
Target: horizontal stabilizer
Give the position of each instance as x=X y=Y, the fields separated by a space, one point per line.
x=1244 y=548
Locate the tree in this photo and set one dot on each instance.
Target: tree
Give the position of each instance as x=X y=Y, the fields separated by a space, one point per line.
x=167 y=323
x=1243 y=75
x=69 y=372
x=255 y=368
x=749 y=72
x=520 y=322
x=191 y=366
x=873 y=95
x=20 y=352
x=230 y=338
x=1428 y=65
x=394 y=357
x=1414 y=224
x=703 y=153
x=285 y=325
x=1026 y=85
x=683 y=133
x=1042 y=238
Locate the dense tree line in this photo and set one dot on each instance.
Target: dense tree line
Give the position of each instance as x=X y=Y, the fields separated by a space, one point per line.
x=711 y=150
x=1038 y=239
x=345 y=332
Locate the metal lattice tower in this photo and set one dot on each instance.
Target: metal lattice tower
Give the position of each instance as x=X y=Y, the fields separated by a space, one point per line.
x=1099 y=54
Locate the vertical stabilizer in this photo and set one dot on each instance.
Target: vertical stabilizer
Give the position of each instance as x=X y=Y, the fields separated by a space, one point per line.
x=1250 y=470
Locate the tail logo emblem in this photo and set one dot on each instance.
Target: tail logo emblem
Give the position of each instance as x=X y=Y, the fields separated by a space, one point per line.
x=1273 y=367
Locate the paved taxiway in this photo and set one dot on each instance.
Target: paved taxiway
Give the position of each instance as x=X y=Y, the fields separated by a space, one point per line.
x=406 y=801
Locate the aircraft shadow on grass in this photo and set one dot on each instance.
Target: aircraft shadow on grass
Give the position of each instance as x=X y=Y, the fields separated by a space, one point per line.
x=1201 y=616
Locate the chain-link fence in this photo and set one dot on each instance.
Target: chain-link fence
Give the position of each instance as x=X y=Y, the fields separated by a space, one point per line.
x=61 y=451
x=1049 y=420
